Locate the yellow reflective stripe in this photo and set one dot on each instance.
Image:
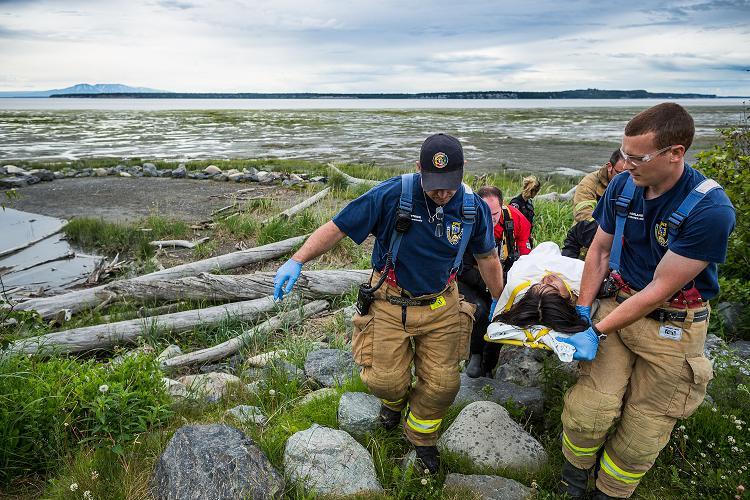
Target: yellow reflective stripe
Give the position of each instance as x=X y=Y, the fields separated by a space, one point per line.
x=393 y=403
x=585 y=204
x=520 y=288
x=577 y=450
x=617 y=473
x=423 y=426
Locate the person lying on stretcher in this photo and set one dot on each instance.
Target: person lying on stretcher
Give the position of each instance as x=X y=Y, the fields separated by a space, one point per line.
x=537 y=305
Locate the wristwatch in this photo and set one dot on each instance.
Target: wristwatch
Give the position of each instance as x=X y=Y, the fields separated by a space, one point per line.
x=599 y=334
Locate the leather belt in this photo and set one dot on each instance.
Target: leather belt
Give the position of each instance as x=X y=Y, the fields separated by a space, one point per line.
x=663 y=315
x=408 y=301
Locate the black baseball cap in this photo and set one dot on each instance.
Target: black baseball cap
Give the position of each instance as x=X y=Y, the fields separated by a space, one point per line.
x=442 y=162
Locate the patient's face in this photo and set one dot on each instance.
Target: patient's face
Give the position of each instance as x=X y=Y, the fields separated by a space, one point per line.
x=552 y=283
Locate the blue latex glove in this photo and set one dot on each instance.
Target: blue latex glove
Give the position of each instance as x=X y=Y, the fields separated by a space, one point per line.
x=585 y=342
x=287 y=274
x=584 y=312
x=492 y=308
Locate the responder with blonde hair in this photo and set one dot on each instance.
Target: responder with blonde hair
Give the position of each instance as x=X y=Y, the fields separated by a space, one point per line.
x=411 y=311
x=663 y=227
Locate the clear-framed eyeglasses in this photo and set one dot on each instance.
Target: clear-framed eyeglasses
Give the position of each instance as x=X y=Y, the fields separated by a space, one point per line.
x=638 y=160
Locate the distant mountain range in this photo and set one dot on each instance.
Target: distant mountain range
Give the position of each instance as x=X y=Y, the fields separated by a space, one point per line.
x=82 y=88
x=116 y=90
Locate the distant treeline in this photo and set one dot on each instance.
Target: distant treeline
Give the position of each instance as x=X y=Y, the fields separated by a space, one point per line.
x=564 y=94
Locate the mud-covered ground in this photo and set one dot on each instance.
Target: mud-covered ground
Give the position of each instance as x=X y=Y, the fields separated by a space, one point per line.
x=121 y=199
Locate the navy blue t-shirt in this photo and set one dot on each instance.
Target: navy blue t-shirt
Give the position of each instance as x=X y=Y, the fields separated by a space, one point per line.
x=424 y=260
x=702 y=236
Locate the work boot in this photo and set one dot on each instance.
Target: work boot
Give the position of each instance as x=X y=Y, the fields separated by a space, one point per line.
x=474 y=368
x=573 y=481
x=600 y=495
x=429 y=457
x=389 y=418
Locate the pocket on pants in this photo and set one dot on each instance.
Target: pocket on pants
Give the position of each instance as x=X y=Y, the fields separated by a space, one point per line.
x=362 y=339
x=697 y=372
x=466 y=312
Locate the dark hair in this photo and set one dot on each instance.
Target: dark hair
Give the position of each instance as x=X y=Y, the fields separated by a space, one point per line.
x=548 y=309
x=487 y=191
x=670 y=122
x=616 y=156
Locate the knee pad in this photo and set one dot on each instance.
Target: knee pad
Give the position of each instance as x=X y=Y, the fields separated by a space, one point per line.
x=640 y=436
x=441 y=386
x=390 y=385
x=589 y=411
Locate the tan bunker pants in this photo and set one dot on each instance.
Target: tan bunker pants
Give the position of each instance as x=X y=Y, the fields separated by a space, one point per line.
x=435 y=337
x=628 y=398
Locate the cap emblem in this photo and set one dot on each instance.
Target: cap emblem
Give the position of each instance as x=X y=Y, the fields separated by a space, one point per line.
x=440 y=160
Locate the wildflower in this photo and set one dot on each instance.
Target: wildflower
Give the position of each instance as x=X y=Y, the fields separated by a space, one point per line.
x=271 y=392
x=744 y=467
x=692 y=482
x=723 y=477
x=94 y=475
x=713 y=409
x=87 y=495
x=73 y=486
x=534 y=485
x=427 y=471
x=686 y=437
x=700 y=441
x=703 y=455
x=424 y=481
x=739 y=427
x=710 y=445
x=731 y=440
x=66 y=424
x=741 y=488
x=103 y=388
x=681 y=428
x=735 y=449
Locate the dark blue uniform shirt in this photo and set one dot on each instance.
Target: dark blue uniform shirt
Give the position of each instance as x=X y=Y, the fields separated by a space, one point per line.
x=424 y=260
x=702 y=236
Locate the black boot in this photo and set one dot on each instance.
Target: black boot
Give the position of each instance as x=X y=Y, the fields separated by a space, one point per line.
x=600 y=495
x=389 y=419
x=474 y=368
x=429 y=457
x=574 y=481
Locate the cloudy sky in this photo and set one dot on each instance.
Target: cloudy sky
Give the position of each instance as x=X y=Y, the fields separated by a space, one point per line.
x=383 y=46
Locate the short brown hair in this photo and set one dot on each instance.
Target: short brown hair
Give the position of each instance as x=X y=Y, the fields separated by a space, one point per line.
x=487 y=191
x=670 y=122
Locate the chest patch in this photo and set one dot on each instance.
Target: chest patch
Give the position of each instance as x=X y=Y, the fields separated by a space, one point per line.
x=454 y=230
x=661 y=233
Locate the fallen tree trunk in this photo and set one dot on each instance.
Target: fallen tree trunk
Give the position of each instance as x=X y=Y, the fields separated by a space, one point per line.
x=231 y=346
x=125 y=332
x=80 y=300
x=178 y=243
x=313 y=284
x=555 y=196
x=291 y=212
x=352 y=180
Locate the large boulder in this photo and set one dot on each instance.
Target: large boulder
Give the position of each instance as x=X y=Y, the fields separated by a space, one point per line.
x=214 y=462
x=180 y=172
x=13 y=182
x=487 y=389
x=488 y=487
x=741 y=348
x=330 y=461
x=212 y=170
x=281 y=368
x=14 y=170
x=485 y=433
x=730 y=314
x=522 y=366
x=211 y=386
x=358 y=413
x=247 y=414
x=330 y=367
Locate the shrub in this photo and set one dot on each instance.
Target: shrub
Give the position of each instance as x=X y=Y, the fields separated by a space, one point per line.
x=49 y=406
x=729 y=165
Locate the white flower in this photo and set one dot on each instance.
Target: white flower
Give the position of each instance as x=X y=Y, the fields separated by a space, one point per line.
x=686 y=437
x=271 y=392
x=723 y=477
x=424 y=482
x=692 y=482
x=739 y=427
x=103 y=388
x=94 y=475
x=681 y=428
x=699 y=441
x=735 y=449
x=87 y=495
x=427 y=471
x=731 y=440
x=703 y=455
x=73 y=486
x=713 y=409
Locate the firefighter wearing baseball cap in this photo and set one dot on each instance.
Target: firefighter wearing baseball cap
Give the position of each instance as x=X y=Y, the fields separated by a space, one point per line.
x=410 y=312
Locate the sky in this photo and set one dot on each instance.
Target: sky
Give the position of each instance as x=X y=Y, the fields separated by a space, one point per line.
x=377 y=46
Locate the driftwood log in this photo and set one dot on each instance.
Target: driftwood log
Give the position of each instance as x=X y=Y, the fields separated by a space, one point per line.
x=81 y=300
x=231 y=346
x=312 y=284
x=109 y=335
x=352 y=180
x=554 y=196
x=291 y=212
x=178 y=243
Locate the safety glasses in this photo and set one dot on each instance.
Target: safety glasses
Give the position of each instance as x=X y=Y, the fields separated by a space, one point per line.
x=639 y=160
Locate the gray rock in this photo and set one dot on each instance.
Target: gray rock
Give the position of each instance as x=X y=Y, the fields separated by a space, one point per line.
x=330 y=461
x=319 y=394
x=212 y=170
x=285 y=369
x=348 y=314
x=125 y=174
x=236 y=177
x=319 y=178
x=170 y=352
x=250 y=170
x=13 y=182
x=488 y=487
x=487 y=389
x=211 y=386
x=232 y=365
x=742 y=348
x=3 y=171
x=150 y=170
x=264 y=177
x=180 y=172
x=247 y=414
x=714 y=346
x=101 y=172
x=485 y=433
x=32 y=179
x=214 y=462
x=220 y=178
x=14 y=170
x=730 y=314
x=165 y=172
x=59 y=175
x=175 y=389
x=43 y=174
x=358 y=413
x=254 y=387
x=523 y=367
x=330 y=367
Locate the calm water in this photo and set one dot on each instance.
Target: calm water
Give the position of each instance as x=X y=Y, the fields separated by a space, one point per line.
x=531 y=135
